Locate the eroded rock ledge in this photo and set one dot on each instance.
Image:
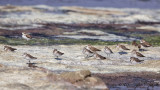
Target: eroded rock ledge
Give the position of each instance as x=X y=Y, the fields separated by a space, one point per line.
x=18 y=78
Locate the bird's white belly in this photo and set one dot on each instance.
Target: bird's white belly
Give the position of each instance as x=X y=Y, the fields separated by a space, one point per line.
x=27 y=58
x=56 y=55
x=23 y=36
x=107 y=52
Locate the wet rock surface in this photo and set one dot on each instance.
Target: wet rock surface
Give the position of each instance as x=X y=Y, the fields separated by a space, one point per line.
x=62 y=22
x=108 y=32
x=131 y=80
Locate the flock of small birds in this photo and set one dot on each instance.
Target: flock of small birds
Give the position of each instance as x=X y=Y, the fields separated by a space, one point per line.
x=89 y=51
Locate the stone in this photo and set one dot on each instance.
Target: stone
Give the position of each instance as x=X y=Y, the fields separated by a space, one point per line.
x=93 y=83
x=1 y=65
x=84 y=80
x=52 y=77
x=75 y=76
x=18 y=86
x=57 y=86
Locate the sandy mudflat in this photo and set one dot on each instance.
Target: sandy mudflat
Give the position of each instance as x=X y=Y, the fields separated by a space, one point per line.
x=74 y=60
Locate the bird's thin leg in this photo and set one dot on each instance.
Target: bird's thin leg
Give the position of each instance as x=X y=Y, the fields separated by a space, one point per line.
x=87 y=56
x=92 y=55
x=29 y=61
x=107 y=54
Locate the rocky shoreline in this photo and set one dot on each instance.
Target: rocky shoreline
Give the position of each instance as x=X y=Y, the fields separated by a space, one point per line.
x=76 y=72
x=61 y=23
x=59 y=28
x=28 y=78
x=40 y=78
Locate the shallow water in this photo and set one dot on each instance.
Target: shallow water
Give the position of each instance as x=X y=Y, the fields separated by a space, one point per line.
x=150 y=4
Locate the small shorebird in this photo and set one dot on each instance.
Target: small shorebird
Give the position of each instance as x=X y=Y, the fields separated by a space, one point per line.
x=134 y=43
x=7 y=48
x=87 y=52
x=57 y=53
x=97 y=56
x=108 y=51
x=29 y=57
x=138 y=54
x=26 y=36
x=144 y=43
x=140 y=47
x=135 y=59
x=122 y=47
x=32 y=65
x=91 y=48
x=137 y=45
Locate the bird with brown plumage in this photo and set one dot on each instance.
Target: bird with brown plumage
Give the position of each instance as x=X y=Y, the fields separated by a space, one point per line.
x=135 y=59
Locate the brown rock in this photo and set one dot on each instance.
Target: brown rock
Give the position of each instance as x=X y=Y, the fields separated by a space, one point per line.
x=57 y=86
x=83 y=79
x=93 y=83
x=75 y=76
x=1 y=65
x=52 y=77
x=18 y=86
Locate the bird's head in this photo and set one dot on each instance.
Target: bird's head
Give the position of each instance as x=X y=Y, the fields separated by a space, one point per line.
x=24 y=54
x=133 y=51
x=24 y=33
x=142 y=41
x=54 y=50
